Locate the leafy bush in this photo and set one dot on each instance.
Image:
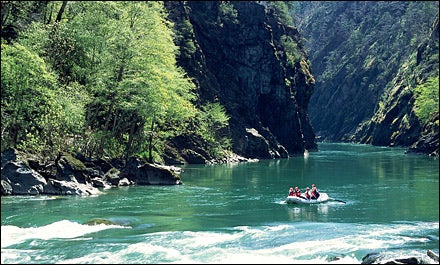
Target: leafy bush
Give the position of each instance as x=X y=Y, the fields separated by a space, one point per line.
x=212 y=119
x=291 y=50
x=227 y=13
x=29 y=108
x=427 y=96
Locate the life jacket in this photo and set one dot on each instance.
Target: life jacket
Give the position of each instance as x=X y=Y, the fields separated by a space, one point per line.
x=315 y=194
x=307 y=194
x=291 y=193
x=297 y=193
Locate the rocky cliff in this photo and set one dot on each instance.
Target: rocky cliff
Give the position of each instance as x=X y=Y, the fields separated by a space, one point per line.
x=367 y=58
x=395 y=123
x=236 y=57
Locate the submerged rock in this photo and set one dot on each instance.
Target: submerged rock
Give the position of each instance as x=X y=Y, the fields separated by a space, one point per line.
x=381 y=258
x=99 y=221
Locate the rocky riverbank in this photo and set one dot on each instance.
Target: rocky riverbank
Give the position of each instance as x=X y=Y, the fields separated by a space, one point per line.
x=25 y=174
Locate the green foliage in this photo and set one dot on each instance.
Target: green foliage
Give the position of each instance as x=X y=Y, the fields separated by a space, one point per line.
x=227 y=13
x=114 y=87
x=427 y=99
x=357 y=50
x=184 y=34
x=212 y=119
x=283 y=11
x=29 y=109
x=291 y=50
x=138 y=88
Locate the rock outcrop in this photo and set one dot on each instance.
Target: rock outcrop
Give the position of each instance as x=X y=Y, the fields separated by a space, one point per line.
x=428 y=143
x=22 y=174
x=238 y=60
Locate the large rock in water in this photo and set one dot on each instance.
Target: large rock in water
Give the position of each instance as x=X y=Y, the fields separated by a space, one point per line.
x=61 y=187
x=22 y=179
x=240 y=62
x=384 y=258
x=19 y=179
x=142 y=173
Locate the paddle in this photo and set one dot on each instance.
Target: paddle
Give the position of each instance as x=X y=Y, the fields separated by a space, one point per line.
x=333 y=199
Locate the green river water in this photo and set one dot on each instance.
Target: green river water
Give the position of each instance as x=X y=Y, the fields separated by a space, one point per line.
x=236 y=213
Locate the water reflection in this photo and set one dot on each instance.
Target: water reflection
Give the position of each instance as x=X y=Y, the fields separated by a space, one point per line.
x=309 y=212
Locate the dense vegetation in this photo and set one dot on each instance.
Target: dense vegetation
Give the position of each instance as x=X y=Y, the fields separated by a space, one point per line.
x=357 y=49
x=101 y=78
x=427 y=99
x=98 y=78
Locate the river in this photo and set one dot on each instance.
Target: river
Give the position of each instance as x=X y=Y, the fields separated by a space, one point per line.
x=236 y=213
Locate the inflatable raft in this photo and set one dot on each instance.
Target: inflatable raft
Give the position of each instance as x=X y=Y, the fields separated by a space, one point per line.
x=323 y=197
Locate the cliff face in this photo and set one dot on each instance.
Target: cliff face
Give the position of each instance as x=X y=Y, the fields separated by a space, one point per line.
x=367 y=59
x=395 y=123
x=239 y=61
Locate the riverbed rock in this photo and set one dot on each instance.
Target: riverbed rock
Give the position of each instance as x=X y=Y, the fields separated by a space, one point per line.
x=62 y=187
x=100 y=183
x=100 y=221
x=433 y=255
x=19 y=179
x=6 y=188
x=125 y=182
x=71 y=169
x=112 y=176
x=142 y=173
x=382 y=258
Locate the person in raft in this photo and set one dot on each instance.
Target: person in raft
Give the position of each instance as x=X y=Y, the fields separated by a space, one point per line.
x=296 y=192
x=307 y=193
x=314 y=194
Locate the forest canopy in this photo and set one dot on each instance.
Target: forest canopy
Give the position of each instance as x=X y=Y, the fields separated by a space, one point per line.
x=96 y=77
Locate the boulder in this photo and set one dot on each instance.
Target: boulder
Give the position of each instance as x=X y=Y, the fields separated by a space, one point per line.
x=62 y=187
x=6 y=188
x=386 y=258
x=100 y=183
x=112 y=176
x=25 y=174
x=125 y=182
x=22 y=179
x=432 y=255
x=71 y=169
x=142 y=173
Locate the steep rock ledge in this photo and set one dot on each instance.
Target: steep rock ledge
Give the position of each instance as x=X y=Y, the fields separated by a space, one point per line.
x=241 y=64
x=395 y=123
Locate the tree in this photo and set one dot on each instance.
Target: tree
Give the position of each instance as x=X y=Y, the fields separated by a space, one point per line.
x=31 y=105
x=114 y=88
x=211 y=120
x=138 y=89
x=427 y=98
